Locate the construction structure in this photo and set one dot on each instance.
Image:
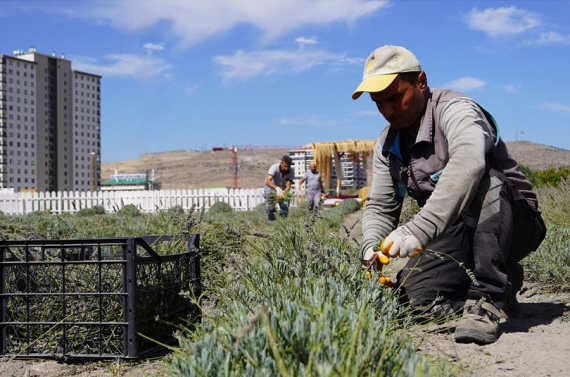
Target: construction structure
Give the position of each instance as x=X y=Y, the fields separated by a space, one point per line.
x=342 y=164
x=50 y=121
x=131 y=182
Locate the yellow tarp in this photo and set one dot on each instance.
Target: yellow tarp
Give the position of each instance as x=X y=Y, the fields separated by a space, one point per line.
x=356 y=149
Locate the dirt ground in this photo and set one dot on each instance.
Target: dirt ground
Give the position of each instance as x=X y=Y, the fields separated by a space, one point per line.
x=45 y=368
x=536 y=344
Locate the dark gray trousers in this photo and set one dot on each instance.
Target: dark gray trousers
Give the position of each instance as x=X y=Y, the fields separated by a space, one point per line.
x=498 y=230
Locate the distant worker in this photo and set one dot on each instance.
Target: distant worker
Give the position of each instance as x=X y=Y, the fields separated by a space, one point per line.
x=477 y=209
x=314 y=187
x=278 y=182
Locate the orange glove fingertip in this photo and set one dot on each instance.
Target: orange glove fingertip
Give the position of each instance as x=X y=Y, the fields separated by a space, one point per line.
x=384 y=248
x=383 y=259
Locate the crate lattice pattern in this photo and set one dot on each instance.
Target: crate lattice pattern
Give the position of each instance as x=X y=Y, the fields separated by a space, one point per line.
x=93 y=298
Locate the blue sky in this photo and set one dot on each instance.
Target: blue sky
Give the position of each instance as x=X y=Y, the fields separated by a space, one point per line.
x=181 y=75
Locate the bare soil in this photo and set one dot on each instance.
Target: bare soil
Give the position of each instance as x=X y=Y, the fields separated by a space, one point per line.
x=50 y=368
x=536 y=344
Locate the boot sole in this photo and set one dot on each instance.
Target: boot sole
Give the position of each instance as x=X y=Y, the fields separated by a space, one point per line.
x=473 y=336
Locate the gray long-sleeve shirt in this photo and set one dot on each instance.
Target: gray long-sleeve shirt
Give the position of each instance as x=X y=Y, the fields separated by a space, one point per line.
x=469 y=137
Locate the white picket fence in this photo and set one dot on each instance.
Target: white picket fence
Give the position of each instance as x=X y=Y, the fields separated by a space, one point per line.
x=145 y=201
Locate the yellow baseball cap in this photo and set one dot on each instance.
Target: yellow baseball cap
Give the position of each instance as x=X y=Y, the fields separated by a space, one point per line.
x=382 y=67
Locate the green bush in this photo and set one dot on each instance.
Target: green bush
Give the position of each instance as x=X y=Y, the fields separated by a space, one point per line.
x=96 y=210
x=550 y=176
x=221 y=207
x=300 y=305
x=549 y=265
x=348 y=206
x=130 y=210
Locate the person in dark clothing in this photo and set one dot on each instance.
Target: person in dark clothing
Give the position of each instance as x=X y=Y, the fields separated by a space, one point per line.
x=478 y=212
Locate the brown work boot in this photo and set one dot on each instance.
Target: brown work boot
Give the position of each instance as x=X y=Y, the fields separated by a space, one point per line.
x=480 y=322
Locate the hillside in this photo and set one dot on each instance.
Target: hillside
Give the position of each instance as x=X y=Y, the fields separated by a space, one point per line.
x=193 y=169
x=538 y=156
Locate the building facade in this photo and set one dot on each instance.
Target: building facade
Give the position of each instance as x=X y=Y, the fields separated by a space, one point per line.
x=50 y=124
x=354 y=174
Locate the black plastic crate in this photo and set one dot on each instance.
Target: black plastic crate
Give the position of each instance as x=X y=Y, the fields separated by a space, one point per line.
x=95 y=298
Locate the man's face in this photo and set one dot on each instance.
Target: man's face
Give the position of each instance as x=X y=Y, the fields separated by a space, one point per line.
x=284 y=167
x=401 y=103
x=313 y=168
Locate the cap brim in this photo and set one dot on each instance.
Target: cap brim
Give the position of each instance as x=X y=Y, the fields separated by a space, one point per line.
x=372 y=84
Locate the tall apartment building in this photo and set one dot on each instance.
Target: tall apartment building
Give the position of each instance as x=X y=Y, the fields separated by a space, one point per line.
x=50 y=124
x=354 y=174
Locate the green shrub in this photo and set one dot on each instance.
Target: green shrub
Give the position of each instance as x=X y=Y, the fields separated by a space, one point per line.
x=298 y=305
x=130 y=210
x=550 y=176
x=96 y=210
x=221 y=207
x=348 y=206
x=549 y=265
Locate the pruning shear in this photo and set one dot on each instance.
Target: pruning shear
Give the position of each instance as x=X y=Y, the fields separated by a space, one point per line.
x=376 y=263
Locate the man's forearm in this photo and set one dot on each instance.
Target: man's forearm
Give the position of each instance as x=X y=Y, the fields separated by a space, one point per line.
x=383 y=206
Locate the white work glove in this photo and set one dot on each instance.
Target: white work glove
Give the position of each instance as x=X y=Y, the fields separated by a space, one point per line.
x=402 y=243
x=368 y=254
x=373 y=257
x=279 y=192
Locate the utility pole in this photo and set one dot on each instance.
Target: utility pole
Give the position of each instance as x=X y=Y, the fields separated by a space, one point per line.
x=235 y=166
x=93 y=171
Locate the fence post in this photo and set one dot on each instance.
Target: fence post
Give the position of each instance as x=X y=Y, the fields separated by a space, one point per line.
x=130 y=283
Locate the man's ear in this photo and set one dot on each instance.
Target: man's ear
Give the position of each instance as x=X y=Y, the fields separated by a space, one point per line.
x=422 y=80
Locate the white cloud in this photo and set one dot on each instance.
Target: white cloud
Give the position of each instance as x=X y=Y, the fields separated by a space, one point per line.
x=466 y=84
x=513 y=89
x=154 y=46
x=497 y=21
x=191 y=89
x=123 y=65
x=306 y=41
x=351 y=61
x=547 y=39
x=264 y=63
x=557 y=107
x=193 y=21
